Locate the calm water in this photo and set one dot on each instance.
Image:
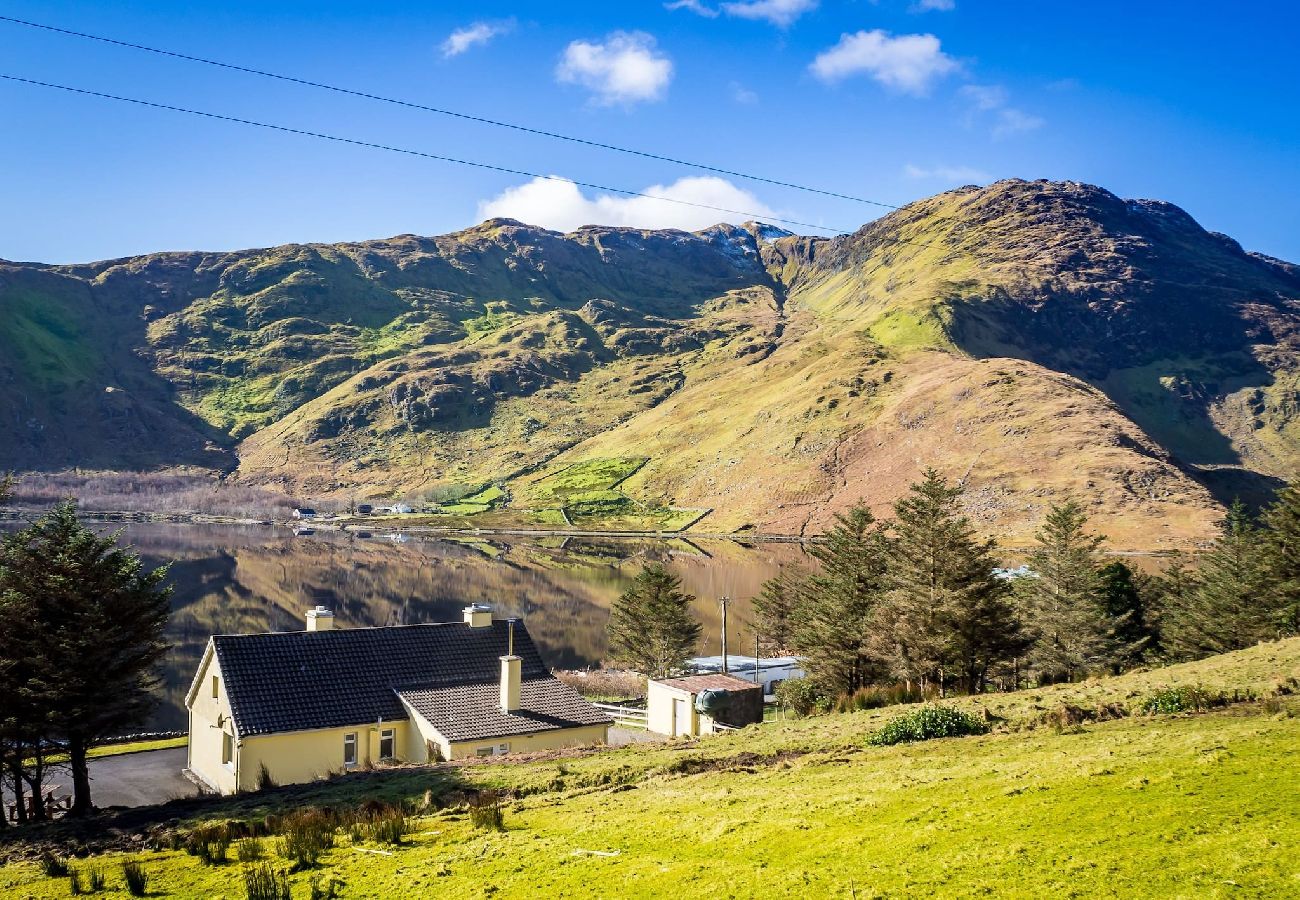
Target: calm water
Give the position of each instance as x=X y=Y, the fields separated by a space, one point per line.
x=238 y=580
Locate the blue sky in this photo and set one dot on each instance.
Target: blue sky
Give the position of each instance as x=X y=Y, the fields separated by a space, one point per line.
x=892 y=100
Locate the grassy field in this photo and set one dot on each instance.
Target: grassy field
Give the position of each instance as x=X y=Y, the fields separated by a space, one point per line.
x=1164 y=806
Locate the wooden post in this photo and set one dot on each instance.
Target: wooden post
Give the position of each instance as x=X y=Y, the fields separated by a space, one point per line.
x=724 y=601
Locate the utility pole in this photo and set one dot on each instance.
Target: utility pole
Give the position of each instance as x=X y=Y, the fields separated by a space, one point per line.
x=756 y=656
x=724 y=601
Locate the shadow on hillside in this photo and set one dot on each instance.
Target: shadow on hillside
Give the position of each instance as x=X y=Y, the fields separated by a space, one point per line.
x=120 y=828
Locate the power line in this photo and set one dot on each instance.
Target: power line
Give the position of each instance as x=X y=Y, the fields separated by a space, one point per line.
x=483 y=120
x=409 y=152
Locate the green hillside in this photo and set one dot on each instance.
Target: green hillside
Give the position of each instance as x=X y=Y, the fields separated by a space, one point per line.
x=1051 y=803
x=1044 y=338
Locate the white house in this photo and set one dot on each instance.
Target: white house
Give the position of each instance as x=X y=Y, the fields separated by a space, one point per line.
x=699 y=704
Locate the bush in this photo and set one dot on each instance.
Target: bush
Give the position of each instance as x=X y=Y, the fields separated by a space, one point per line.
x=264 y=780
x=54 y=866
x=209 y=843
x=265 y=882
x=249 y=850
x=137 y=879
x=325 y=887
x=877 y=696
x=927 y=723
x=486 y=812
x=1185 y=698
x=306 y=835
x=802 y=697
x=388 y=827
x=87 y=881
x=75 y=886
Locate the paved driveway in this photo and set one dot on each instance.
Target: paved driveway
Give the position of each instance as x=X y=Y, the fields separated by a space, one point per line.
x=134 y=779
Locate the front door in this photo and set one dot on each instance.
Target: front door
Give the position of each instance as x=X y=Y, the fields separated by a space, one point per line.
x=681 y=717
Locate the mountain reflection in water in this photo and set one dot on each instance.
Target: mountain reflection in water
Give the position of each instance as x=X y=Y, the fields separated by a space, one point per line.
x=252 y=579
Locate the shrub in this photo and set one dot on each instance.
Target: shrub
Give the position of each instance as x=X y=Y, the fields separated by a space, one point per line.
x=801 y=696
x=389 y=827
x=75 y=886
x=486 y=812
x=306 y=835
x=877 y=696
x=325 y=887
x=137 y=879
x=209 y=843
x=927 y=723
x=95 y=879
x=265 y=882
x=1185 y=698
x=249 y=850
x=54 y=866
x=264 y=780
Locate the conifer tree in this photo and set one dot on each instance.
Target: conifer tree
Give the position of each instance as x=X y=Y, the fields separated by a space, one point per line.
x=832 y=617
x=1130 y=634
x=775 y=610
x=1063 y=600
x=651 y=629
x=92 y=633
x=1228 y=609
x=945 y=613
x=1282 y=558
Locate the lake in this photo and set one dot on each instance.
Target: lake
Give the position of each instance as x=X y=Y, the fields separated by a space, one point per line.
x=235 y=579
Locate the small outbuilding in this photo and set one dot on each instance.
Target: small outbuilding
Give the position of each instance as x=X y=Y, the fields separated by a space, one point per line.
x=702 y=704
x=304 y=512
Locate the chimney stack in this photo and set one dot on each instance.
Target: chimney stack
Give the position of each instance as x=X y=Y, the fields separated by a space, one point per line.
x=320 y=619
x=511 y=673
x=478 y=616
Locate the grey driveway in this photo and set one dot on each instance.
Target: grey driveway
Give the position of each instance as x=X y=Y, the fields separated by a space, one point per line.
x=134 y=779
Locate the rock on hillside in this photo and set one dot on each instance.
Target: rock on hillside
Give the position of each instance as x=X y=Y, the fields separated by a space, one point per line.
x=1037 y=338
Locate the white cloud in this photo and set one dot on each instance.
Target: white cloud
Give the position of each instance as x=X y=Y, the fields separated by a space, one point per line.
x=934 y=6
x=951 y=174
x=908 y=63
x=626 y=67
x=560 y=205
x=781 y=13
x=694 y=6
x=742 y=94
x=992 y=99
x=470 y=36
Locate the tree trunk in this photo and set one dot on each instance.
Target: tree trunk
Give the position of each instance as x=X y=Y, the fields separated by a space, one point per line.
x=80 y=777
x=16 y=775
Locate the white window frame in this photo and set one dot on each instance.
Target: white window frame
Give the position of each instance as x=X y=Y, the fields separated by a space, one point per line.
x=484 y=751
x=216 y=687
x=350 y=741
x=227 y=749
x=389 y=735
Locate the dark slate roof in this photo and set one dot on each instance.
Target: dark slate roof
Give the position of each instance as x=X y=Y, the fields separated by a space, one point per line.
x=301 y=680
x=473 y=713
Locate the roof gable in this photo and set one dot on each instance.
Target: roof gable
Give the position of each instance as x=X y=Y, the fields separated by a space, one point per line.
x=303 y=680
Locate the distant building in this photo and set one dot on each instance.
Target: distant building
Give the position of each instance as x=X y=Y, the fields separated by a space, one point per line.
x=304 y=512
x=699 y=704
x=771 y=671
x=306 y=704
x=1021 y=571
x=364 y=509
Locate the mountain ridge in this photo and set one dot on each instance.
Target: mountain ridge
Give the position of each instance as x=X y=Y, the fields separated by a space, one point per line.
x=769 y=378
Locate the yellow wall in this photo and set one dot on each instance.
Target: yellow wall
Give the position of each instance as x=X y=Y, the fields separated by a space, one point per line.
x=205 y=735
x=528 y=743
x=301 y=756
x=660 y=699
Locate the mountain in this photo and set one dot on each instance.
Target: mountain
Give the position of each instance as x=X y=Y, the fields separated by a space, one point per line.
x=1040 y=339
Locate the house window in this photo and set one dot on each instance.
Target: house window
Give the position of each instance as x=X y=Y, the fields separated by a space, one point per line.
x=227 y=748
x=350 y=749
x=483 y=751
x=214 y=687
x=388 y=743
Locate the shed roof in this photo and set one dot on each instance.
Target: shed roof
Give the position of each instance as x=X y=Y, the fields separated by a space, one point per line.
x=697 y=683
x=304 y=680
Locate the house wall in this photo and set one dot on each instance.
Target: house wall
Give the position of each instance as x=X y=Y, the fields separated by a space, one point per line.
x=528 y=743
x=205 y=734
x=660 y=699
x=302 y=756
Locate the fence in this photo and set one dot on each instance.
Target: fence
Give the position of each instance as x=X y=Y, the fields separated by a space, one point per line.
x=625 y=715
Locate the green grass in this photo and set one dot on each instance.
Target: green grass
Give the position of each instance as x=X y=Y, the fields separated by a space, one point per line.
x=1187 y=805
x=138 y=747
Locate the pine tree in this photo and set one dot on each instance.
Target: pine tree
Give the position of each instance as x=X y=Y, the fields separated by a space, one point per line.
x=831 y=619
x=7 y=483
x=95 y=623
x=651 y=629
x=1130 y=633
x=775 y=609
x=945 y=613
x=1063 y=600
x=1228 y=607
x=1282 y=558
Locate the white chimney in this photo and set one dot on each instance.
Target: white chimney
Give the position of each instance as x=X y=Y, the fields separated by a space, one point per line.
x=511 y=673
x=320 y=619
x=478 y=616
